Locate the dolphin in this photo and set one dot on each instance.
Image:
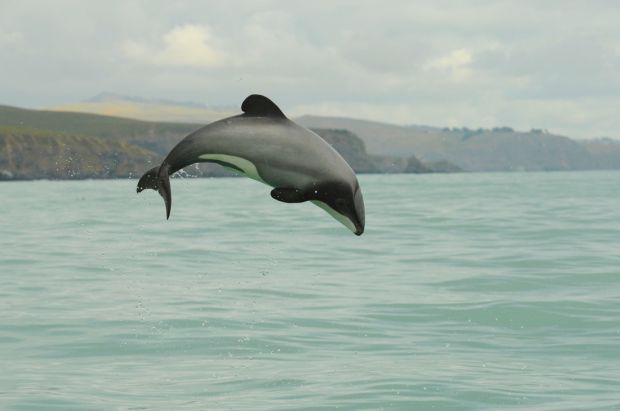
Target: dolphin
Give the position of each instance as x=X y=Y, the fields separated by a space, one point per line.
x=263 y=144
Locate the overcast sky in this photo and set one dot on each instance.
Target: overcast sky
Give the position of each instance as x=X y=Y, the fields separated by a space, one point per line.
x=543 y=64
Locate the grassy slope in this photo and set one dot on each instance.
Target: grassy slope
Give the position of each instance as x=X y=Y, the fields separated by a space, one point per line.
x=85 y=123
x=158 y=137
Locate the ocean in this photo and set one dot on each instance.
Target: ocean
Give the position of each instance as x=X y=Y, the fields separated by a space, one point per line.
x=480 y=291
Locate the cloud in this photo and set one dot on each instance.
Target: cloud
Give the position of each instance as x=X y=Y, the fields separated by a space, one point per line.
x=436 y=62
x=188 y=45
x=11 y=38
x=455 y=60
x=456 y=64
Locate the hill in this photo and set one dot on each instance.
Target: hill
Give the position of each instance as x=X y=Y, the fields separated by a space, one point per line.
x=368 y=146
x=497 y=149
x=154 y=136
x=116 y=105
x=449 y=149
x=48 y=144
x=605 y=151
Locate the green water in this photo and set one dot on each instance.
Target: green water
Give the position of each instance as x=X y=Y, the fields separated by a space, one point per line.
x=466 y=292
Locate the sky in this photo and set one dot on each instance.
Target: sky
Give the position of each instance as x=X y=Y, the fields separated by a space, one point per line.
x=548 y=64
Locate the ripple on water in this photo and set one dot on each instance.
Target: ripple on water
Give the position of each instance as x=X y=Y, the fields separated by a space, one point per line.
x=470 y=291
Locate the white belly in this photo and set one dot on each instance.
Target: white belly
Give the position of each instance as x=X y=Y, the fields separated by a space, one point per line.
x=248 y=168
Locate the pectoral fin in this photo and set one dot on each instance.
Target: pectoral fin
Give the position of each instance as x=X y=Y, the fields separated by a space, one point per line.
x=288 y=195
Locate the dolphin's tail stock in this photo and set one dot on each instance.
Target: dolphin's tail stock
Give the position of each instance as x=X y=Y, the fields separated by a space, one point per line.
x=158 y=179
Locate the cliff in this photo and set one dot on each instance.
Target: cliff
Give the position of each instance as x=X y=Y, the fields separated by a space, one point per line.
x=30 y=154
x=351 y=148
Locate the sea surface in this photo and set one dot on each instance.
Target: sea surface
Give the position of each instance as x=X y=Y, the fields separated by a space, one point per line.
x=466 y=292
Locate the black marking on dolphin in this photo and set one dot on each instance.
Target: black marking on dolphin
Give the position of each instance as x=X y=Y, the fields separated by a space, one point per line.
x=265 y=145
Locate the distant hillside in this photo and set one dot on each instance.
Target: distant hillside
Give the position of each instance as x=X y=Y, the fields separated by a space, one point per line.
x=492 y=150
x=106 y=97
x=380 y=138
x=110 y=104
x=605 y=152
x=498 y=149
x=390 y=145
x=368 y=146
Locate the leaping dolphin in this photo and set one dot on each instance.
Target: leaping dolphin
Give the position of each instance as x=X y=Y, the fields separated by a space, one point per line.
x=268 y=147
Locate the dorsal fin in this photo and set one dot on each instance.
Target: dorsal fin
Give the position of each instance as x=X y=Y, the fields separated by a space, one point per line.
x=257 y=105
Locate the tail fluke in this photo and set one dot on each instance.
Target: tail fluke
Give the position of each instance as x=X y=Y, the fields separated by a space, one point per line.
x=148 y=180
x=158 y=179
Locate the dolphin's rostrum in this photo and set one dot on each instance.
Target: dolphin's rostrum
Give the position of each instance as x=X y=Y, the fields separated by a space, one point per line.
x=265 y=145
